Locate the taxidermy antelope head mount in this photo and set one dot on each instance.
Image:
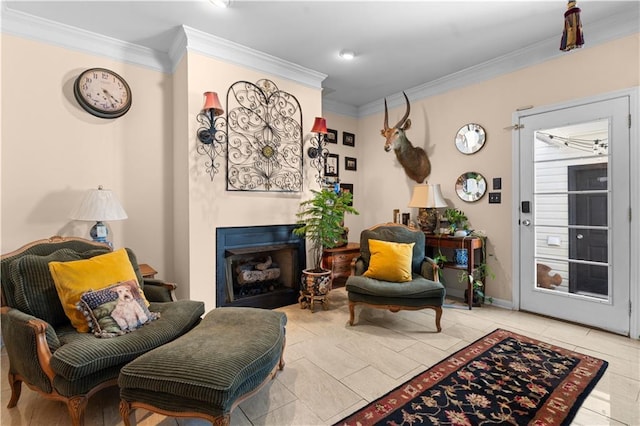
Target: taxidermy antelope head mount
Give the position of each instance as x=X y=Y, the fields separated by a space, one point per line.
x=414 y=160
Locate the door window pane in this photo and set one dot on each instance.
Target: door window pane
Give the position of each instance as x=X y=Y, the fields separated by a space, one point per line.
x=571 y=204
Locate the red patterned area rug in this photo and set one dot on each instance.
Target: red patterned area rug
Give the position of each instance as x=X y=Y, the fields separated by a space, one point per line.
x=502 y=378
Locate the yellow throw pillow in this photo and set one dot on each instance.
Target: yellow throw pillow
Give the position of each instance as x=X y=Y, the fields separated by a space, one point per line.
x=390 y=261
x=74 y=278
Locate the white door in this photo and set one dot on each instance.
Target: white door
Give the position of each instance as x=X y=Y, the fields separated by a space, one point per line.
x=574 y=220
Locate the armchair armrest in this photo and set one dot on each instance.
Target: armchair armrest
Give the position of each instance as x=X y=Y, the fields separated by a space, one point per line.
x=357 y=266
x=30 y=343
x=429 y=269
x=159 y=291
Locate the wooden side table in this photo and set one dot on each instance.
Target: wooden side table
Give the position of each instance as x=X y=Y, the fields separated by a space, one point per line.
x=147 y=271
x=434 y=243
x=338 y=260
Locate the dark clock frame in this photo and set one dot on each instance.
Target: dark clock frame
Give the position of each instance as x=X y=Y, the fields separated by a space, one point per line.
x=97 y=111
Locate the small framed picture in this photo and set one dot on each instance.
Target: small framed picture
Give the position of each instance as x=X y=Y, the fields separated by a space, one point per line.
x=347 y=187
x=331 y=165
x=331 y=181
x=350 y=163
x=348 y=139
x=331 y=136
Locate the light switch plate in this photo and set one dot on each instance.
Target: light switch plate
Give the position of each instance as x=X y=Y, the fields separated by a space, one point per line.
x=495 y=198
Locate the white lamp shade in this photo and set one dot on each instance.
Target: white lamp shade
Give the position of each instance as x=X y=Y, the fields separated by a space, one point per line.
x=427 y=196
x=98 y=205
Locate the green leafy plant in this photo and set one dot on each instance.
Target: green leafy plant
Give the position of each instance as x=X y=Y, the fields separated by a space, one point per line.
x=321 y=221
x=440 y=260
x=479 y=274
x=456 y=218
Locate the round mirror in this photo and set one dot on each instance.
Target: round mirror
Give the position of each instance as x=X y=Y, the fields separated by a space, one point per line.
x=470 y=138
x=471 y=186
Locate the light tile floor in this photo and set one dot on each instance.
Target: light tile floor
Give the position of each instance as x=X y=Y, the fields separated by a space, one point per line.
x=333 y=369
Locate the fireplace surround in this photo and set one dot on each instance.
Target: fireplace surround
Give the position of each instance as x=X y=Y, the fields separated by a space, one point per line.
x=246 y=261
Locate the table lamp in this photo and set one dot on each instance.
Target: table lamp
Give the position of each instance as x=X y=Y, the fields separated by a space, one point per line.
x=99 y=205
x=427 y=198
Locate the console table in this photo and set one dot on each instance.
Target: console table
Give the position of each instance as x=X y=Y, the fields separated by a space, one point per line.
x=338 y=260
x=435 y=243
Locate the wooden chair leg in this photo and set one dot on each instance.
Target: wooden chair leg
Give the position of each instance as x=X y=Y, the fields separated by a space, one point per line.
x=438 y=316
x=127 y=413
x=16 y=389
x=281 y=362
x=76 y=407
x=352 y=312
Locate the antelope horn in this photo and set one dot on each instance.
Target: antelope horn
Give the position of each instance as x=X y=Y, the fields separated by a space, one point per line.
x=406 y=114
x=386 y=115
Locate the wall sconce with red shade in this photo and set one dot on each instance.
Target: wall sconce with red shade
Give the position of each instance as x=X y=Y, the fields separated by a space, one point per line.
x=318 y=151
x=211 y=134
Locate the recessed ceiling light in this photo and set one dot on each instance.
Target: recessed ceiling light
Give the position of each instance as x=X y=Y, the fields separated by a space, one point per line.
x=347 y=54
x=221 y=3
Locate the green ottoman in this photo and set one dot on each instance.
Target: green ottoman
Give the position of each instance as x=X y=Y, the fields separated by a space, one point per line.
x=207 y=372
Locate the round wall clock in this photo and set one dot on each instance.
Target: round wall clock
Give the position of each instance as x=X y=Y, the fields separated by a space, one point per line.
x=103 y=93
x=470 y=138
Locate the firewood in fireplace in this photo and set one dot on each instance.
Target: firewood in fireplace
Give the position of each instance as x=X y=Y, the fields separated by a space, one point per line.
x=250 y=277
x=257 y=270
x=264 y=265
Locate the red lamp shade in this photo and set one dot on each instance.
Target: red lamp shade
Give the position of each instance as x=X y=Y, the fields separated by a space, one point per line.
x=319 y=126
x=211 y=102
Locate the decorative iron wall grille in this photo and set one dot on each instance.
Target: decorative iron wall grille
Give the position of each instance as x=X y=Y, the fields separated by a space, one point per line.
x=264 y=138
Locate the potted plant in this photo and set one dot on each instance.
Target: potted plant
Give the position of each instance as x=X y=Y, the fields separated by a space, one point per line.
x=321 y=221
x=457 y=220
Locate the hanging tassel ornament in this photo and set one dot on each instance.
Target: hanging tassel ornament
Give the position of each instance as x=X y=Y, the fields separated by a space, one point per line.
x=572 y=34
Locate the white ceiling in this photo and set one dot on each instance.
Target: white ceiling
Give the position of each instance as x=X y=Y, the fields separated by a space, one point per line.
x=399 y=44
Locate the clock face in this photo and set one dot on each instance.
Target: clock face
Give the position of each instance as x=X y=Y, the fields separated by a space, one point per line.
x=102 y=93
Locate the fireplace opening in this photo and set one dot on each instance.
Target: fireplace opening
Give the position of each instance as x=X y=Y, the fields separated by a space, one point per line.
x=254 y=271
x=258 y=266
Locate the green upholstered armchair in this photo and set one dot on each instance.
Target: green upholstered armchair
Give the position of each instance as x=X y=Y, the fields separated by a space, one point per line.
x=47 y=353
x=422 y=290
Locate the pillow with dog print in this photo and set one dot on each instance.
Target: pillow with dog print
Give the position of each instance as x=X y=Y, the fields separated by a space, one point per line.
x=115 y=310
x=73 y=278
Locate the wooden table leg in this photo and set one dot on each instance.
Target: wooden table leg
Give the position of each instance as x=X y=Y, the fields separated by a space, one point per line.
x=470 y=263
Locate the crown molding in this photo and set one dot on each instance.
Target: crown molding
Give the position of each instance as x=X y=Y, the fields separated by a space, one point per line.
x=178 y=48
x=611 y=28
x=46 y=31
x=229 y=51
x=339 y=108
